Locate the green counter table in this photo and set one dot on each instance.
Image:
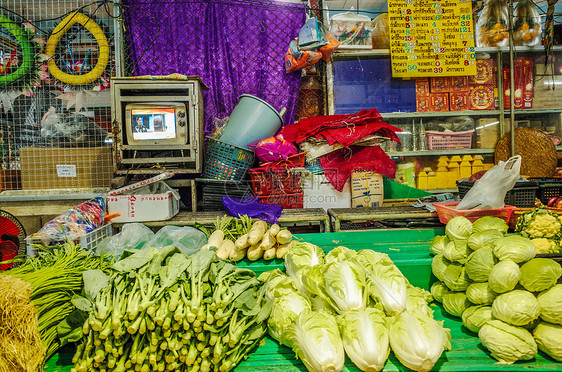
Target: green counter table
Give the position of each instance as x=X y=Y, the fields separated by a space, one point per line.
x=409 y=249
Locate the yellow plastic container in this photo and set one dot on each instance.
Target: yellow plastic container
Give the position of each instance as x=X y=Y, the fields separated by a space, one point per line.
x=456 y=158
x=478 y=157
x=441 y=178
x=431 y=180
x=477 y=166
x=422 y=180
x=467 y=158
x=465 y=169
x=444 y=158
x=453 y=174
x=488 y=166
x=442 y=163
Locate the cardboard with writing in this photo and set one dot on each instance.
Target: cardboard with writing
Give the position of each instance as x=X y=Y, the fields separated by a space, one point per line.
x=367 y=189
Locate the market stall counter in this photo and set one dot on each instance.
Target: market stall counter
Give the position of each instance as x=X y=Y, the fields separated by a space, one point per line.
x=409 y=249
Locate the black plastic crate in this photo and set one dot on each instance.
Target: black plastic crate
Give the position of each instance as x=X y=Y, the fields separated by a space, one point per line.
x=548 y=188
x=213 y=191
x=522 y=195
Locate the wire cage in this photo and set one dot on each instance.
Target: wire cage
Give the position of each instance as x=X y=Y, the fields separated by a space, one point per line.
x=57 y=58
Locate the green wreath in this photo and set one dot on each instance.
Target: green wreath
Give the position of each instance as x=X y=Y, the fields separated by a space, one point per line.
x=27 y=47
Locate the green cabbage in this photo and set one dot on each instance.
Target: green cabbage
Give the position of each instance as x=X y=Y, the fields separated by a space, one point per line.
x=474 y=317
x=278 y=283
x=483 y=239
x=550 y=304
x=515 y=248
x=507 y=343
x=438 y=244
x=284 y=313
x=480 y=294
x=302 y=255
x=548 y=337
x=455 y=303
x=341 y=253
x=317 y=341
x=540 y=274
x=504 y=276
x=455 y=277
x=457 y=251
x=517 y=307
x=385 y=281
x=489 y=223
x=480 y=263
x=438 y=290
x=458 y=228
x=438 y=266
x=418 y=340
x=365 y=338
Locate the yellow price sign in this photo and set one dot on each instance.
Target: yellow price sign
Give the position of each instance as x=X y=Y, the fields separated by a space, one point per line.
x=431 y=38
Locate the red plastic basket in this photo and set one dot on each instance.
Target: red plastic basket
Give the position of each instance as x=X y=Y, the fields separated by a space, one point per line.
x=266 y=183
x=446 y=211
x=449 y=140
x=289 y=201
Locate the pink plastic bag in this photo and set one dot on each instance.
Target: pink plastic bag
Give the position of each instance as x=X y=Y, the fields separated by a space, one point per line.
x=274 y=148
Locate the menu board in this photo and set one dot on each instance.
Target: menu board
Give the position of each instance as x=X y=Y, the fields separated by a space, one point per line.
x=431 y=38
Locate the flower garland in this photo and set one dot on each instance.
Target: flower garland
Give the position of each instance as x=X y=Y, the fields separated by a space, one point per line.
x=25 y=42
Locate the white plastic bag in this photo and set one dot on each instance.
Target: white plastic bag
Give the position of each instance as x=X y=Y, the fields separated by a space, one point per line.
x=489 y=191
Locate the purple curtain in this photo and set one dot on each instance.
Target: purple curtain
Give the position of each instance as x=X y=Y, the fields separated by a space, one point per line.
x=236 y=47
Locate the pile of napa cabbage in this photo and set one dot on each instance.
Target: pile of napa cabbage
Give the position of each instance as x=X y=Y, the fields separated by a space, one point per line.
x=351 y=303
x=498 y=287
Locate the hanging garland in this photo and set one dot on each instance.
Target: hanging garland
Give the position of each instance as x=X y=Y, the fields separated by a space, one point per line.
x=28 y=50
x=103 y=51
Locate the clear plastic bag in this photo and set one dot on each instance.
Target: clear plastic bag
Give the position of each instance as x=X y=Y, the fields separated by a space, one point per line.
x=490 y=190
x=381 y=32
x=71 y=130
x=492 y=26
x=351 y=29
x=188 y=239
x=131 y=236
x=526 y=24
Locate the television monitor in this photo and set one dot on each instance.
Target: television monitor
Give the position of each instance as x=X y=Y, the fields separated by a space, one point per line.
x=158 y=125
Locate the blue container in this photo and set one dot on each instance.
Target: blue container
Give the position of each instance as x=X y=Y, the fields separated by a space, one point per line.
x=252 y=119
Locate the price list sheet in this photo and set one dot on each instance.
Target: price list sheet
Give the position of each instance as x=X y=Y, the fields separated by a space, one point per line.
x=431 y=38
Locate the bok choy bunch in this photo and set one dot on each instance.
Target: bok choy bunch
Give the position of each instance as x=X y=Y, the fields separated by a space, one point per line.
x=164 y=310
x=358 y=302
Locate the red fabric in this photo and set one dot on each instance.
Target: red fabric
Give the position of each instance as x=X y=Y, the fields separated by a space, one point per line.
x=338 y=128
x=339 y=165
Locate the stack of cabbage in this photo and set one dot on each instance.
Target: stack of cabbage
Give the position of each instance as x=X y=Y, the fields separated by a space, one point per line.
x=498 y=287
x=354 y=303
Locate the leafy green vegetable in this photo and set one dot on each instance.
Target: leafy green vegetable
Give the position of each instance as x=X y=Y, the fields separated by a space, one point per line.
x=284 y=313
x=457 y=251
x=278 y=283
x=455 y=303
x=489 y=223
x=438 y=266
x=458 y=228
x=340 y=253
x=540 y=274
x=438 y=290
x=517 y=307
x=365 y=338
x=474 y=317
x=480 y=294
x=418 y=300
x=455 y=277
x=345 y=284
x=550 y=304
x=504 y=276
x=548 y=338
x=515 y=248
x=507 y=343
x=317 y=342
x=302 y=255
x=418 y=340
x=480 y=263
x=483 y=239
x=438 y=244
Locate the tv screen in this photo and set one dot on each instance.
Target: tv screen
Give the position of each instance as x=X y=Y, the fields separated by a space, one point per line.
x=153 y=123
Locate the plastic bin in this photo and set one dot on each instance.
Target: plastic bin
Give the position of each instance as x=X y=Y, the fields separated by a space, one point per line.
x=548 y=188
x=522 y=195
x=266 y=183
x=449 y=140
x=288 y=201
x=224 y=161
x=88 y=241
x=446 y=211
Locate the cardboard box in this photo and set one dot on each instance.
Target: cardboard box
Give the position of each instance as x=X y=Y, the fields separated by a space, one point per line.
x=487 y=133
x=439 y=84
x=458 y=101
x=366 y=189
x=65 y=167
x=136 y=205
x=10 y=179
x=422 y=87
x=486 y=73
x=481 y=97
x=544 y=96
x=527 y=82
x=319 y=193
x=458 y=84
x=439 y=101
x=423 y=104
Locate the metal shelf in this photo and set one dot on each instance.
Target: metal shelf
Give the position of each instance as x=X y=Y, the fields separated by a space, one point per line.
x=393 y=115
x=441 y=152
x=536 y=111
x=441 y=191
